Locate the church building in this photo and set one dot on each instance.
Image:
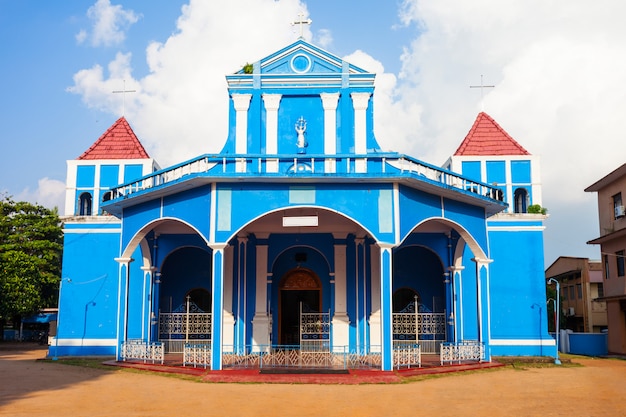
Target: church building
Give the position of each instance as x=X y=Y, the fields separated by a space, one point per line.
x=302 y=240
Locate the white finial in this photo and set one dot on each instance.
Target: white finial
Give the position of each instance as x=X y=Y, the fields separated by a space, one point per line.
x=482 y=87
x=301 y=22
x=124 y=91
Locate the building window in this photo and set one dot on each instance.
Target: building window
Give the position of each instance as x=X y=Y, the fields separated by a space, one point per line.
x=84 y=204
x=600 y=290
x=606 y=267
x=618 y=207
x=571 y=293
x=619 y=256
x=521 y=200
x=579 y=291
x=564 y=293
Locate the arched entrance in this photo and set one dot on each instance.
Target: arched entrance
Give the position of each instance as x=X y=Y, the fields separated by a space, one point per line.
x=298 y=286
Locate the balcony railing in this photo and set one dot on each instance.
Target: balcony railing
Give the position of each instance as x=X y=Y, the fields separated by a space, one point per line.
x=372 y=166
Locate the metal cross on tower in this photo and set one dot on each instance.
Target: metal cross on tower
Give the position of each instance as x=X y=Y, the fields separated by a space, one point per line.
x=124 y=91
x=301 y=22
x=482 y=87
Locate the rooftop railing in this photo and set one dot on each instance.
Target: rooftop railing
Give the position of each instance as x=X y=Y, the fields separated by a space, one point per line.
x=369 y=166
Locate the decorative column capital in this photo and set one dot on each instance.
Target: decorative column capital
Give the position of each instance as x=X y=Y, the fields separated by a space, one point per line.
x=217 y=246
x=124 y=261
x=329 y=100
x=271 y=101
x=241 y=101
x=482 y=261
x=360 y=101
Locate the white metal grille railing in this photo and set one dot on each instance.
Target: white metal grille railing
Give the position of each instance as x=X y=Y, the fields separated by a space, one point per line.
x=426 y=329
x=141 y=350
x=283 y=356
x=197 y=354
x=314 y=331
x=176 y=329
x=407 y=355
x=462 y=351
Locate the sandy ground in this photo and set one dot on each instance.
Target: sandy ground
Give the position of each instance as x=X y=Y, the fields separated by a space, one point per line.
x=31 y=387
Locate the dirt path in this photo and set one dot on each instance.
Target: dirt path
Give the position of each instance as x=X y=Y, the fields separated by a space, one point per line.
x=44 y=388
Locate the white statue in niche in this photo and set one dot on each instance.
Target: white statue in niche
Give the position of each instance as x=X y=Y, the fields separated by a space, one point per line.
x=300 y=129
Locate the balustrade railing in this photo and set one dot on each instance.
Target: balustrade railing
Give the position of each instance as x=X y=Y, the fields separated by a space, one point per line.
x=382 y=164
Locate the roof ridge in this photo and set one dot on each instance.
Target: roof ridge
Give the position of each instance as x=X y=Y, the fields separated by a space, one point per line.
x=117 y=142
x=487 y=137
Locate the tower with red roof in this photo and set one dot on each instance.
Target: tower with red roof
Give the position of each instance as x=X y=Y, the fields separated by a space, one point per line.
x=116 y=157
x=489 y=154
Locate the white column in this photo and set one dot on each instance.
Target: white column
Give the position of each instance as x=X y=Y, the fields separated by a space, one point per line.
x=272 y=102
x=374 y=321
x=482 y=293
x=508 y=181
x=241 y=103
x=341 y=321
x=360 y=102
x=535 y=179
x=228 y=319
x=457 y=295
x=122 y=294
x=146 y=310
x=329 y=103
x=261 y=320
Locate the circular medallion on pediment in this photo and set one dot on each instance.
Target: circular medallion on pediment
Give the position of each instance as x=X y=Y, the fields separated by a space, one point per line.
x=300 y=63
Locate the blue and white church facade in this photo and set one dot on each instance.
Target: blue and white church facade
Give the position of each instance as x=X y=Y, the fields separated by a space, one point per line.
x=302 y=234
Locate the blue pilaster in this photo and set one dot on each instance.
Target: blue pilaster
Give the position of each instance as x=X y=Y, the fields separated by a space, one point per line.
x=386 y=307
x=217 y=306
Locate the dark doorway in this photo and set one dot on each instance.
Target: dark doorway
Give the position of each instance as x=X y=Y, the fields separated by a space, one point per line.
x=290 y=313
x=298 y=286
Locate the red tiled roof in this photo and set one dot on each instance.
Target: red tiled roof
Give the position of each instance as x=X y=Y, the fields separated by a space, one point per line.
x=118 y=142
x=486 y=137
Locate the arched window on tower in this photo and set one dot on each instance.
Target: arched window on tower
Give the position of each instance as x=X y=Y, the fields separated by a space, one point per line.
x=521 y=200
x=84 y=204
x=106 y=197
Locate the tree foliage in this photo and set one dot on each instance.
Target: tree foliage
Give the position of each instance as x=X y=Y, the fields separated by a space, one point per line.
x=31 y=244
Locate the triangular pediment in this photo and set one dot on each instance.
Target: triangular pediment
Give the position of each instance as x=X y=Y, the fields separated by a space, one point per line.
x=301 y=58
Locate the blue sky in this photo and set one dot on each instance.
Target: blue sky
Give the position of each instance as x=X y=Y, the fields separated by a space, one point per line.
x=559 y=69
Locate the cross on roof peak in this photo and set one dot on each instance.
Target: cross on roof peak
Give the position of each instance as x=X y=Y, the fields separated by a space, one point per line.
x=301 y=21
x=124 y=91
x=482 y=87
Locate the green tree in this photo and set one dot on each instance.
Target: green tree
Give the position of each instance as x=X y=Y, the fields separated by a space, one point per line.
x=31 y=244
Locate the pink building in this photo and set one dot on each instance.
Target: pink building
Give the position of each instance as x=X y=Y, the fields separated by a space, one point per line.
x=612 y=241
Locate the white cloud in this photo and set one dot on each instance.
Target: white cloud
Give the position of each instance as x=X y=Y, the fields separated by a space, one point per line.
x=110 y=23
x=183 y=99
x=323 y=38
x=557 y=67
x=49 y=193
x=558 y=71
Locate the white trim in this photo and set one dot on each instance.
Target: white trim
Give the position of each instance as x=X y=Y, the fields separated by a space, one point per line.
x=522 y=342
x=516 y=228
x=80 y=231
x=86 y=342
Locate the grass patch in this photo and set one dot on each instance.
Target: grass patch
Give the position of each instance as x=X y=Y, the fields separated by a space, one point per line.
x=523 y=363
x=91 y=363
